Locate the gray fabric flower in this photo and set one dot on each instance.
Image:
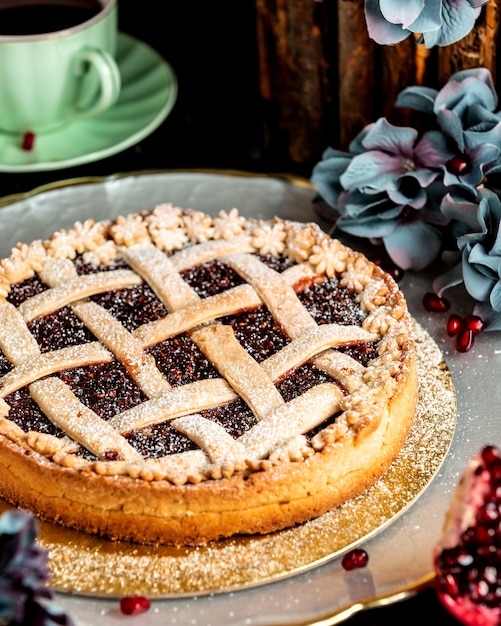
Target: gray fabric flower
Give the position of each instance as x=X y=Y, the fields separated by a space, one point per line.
x=386 y=189
x=437 y=22
x=464 y=110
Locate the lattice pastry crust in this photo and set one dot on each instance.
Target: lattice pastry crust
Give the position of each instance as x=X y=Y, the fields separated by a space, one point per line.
x=296 y=455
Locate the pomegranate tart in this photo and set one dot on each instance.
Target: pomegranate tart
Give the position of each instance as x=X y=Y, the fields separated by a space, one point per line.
x=171 y=377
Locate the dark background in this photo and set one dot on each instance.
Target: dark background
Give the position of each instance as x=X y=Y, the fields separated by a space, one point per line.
x=219 y=122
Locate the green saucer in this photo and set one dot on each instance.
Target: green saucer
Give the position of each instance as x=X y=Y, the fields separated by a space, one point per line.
x=149 y=91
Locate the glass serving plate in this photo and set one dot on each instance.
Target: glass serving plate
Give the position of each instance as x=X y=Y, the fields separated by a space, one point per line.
x=318 y=590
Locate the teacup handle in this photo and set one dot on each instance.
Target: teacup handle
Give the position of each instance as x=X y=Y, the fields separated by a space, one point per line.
x=109 y=81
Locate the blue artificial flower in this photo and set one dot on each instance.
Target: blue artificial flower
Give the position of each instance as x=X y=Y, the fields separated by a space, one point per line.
x=386 y=189
x=438 y=22
x=23 y=572
x=465 y=112
x=479 y=243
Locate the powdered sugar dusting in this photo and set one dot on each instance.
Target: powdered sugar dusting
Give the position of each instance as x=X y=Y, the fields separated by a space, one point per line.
x=91 y=565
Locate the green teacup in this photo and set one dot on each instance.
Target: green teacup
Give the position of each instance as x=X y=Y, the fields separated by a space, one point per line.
x=56 y=62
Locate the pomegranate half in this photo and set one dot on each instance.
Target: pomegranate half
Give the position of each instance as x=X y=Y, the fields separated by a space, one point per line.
x=467 y=558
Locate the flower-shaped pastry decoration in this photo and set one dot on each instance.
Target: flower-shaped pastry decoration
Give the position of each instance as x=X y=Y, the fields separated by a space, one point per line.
x=434 y=22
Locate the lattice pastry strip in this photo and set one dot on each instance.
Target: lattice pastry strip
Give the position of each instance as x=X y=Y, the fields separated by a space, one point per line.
x=217 y=443
x=276 y=293
x=312 y=343
x=183 y=400
x=160 y=273
x=341 y=367
x=69 y=291
x=210 y=250
x=64 y=409
x=200 y=312
x=240 y=370
x=163 y=273
x=296 y=417
x=16 y=341
x=129 y=351
x=43 y=365
x=139 y=364
x=203 y=310
x=284 y=422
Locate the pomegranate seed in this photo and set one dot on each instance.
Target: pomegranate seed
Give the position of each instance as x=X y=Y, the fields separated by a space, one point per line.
x=490 y=454
x=474 y=323
x=434 y=303
x=355 y=559
x=395 y=272
x=465 y=340
x=459 y=164
x=28 y=141
x=133 y=605
x=450 y=584
x=454 y=324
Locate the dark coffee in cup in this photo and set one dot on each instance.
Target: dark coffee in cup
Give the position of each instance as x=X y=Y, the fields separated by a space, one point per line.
x=34 y=17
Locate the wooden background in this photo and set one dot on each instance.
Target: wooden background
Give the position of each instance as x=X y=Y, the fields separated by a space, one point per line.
x=324 y=79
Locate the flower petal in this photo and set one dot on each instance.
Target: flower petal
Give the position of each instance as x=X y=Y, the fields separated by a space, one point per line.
x=478 y=285
x=417 y=98
x=460 y=210
x=403 y=13
x=495 y=297
x=390 y=138
x=413 y=245
x=463 y=90
x=369 y=227
x=433 y=149
x=417 y=201
x=451 y=125
x=485 y=263
x=458 y=19
x=357 y=204
x=326 y=176
x=429 y=19
x=375 y=170
x=380 y=30
x=450 y=278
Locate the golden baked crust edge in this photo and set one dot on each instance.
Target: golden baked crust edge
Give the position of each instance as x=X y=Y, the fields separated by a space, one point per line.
x=158 y=512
